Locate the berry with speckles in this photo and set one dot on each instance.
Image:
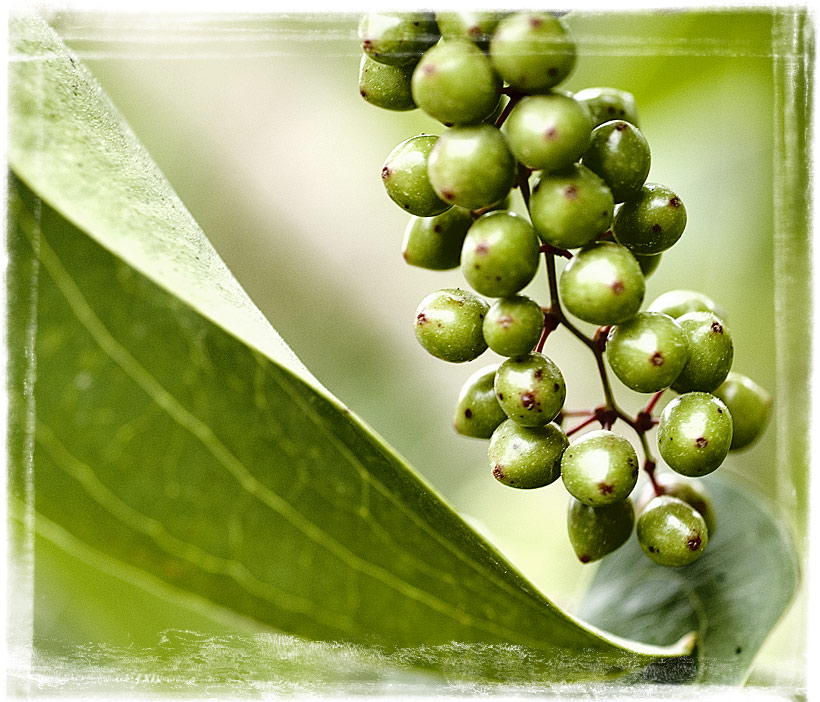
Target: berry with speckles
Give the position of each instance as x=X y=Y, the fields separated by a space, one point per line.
x=526 y=457
x=651 y=221
x=571 y=208
x=602 y=284
x=477 y=412
x=448 y=324
x=671 y=532
x=596 y=531
x=619 y=153
x=750 y=406
x=648 y=352
x=478 y=27
x=600 y=468
x=435 y=242
x=607 y=104
x=694 y=434
x=530 y=389
x=500 y=254
x=385 y=86
x=397 y=38
x=710 y=352
x=690 y=491
x=404 y=175
x=513 y=325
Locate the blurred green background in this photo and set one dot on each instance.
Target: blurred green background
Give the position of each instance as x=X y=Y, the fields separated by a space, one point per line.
x=257 y=123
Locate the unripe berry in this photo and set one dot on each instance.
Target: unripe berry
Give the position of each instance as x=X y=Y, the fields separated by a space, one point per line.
x=477 y=412
x=596 y=531
x=530 y=389
x=404 y=175
x=690 y=491
x=677 y=303
x=478 y=27
x=448 y=325
x=435 y=242
x=607 y=104
x=500 y=254
x=750 y=406
x=710 y=352
x=651 y=221
x=619 y=154
x=513 y=325
x=694 y=434
x=600 y=468
x=397 y=38
x=671 y=532
x=526 y=457
x=385 y=86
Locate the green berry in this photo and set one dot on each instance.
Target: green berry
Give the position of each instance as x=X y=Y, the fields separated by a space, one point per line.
x=435 y=242
x=478 y=27
x=694 y=434
x=404 y=175
x=649 y=264
x=455 y=83
x=677 y=303
x=651 y=221
x=500 y=254
x=513 y=325
x=477 y=412
x=571 y=208
x=548 y=132
x=526 y=457
x=671 y=532
x=602 y=284
x=600 y=468
x=385 y=86
x=397 y=38
x=471 y=166
x=749 y=404
x=532 y=51
x=710 y=352
x=596 y=531
x=530 y=389
x=684 y=489
x=619 y=154
x=607 y=104
x=448 y=325
x=648 y=352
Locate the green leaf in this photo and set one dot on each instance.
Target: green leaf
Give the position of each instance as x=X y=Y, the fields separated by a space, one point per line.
x=180 y=446
x=732 y=596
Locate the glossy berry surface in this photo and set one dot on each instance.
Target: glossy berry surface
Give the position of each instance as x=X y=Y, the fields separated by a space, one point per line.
x=690 y=491
x=671 y=532
x=602 y=284
x=677 y=303
x=694 y=434
x=750 y=406
x=596 y=531
x=435 y=242
x=648 y=352
x=651 y=221
x=619 y=154
x=477 y=412
x=471 y=166
x=600 y=468
x=513 y=325
x=548 y=132
x=397 y=38
x=448 y=325
x=526 y=457
x=404 y=176
x=500 y=254
x=532 y=51
x=607 y=104
x=710 y=352
x=530 y=389
x=571 y=208
x=455 y=83
x=385 y=86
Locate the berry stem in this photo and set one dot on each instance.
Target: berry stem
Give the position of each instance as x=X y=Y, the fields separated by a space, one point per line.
x=589 y=420
x=513 y=101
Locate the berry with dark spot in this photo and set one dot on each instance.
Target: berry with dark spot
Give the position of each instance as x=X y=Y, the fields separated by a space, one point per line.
x=448 y=324
x=385 y=86
x=397 y=38
x=404 y=175
x=646 y=223
x=600 y=468
x=750 y=406
x=671 y=532
x=530 y=456
x=435 y=242
x=694 y=434
x=648 y=352
x=596 y=531
x=619 y=154
x=690 y=491
x=607 y=104
x=710 y=353
x=528 y=400
x=475 y=26
x=571 y=208
x=513 y=326
x=477 y=411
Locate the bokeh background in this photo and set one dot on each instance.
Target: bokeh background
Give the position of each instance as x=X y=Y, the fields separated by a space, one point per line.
x=258 y=124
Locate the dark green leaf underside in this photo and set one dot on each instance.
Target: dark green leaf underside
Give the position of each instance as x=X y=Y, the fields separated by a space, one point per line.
x=732 y=596
x=176 y=436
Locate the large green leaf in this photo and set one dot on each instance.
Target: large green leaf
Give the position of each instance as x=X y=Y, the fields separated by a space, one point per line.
x=732 y=596
x=181 y=446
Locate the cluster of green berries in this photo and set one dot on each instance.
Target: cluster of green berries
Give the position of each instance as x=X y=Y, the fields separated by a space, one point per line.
x=581 y=164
